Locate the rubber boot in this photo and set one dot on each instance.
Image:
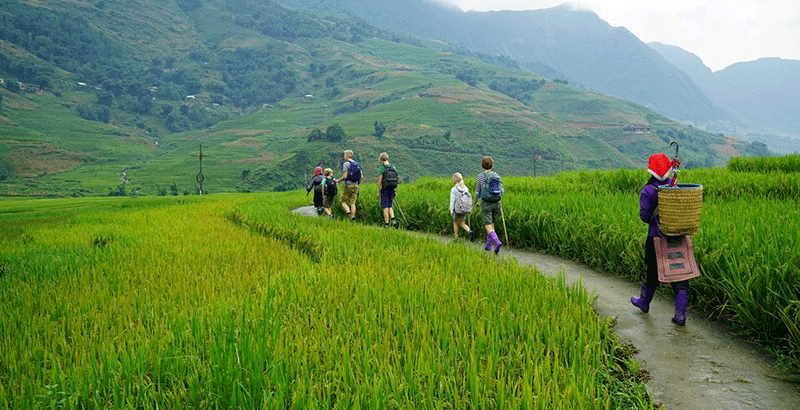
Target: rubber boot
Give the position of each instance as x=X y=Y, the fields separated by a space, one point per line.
x=643 y=301
x=489 y=242
x=681 y=297
x=497 y=243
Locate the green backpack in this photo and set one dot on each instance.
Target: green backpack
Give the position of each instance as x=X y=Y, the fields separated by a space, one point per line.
x=492 y=190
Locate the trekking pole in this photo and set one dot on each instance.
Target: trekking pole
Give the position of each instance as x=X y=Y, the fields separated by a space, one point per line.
x=503 y=217
x=401 y=212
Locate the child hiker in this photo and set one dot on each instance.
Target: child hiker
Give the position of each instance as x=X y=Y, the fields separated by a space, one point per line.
x=489 y=189
x=387 y=188
x=659 y=167
x=460 y=206
x=329 y=189
x=316 y=185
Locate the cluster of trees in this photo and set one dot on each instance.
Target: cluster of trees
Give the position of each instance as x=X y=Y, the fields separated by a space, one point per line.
x=63 y=38
x=354 y=105
x=26 y=71
x=334 y=133
x=173 y=190
x=99 y=113
x=257 y=76
x=518 y=88
x=274 y=20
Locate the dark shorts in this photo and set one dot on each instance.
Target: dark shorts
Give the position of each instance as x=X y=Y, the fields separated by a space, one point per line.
x=490 y=212
x=327 y=202
x=387 y=197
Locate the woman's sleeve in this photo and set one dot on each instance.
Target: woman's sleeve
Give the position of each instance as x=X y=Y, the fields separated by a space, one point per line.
x=648 y=200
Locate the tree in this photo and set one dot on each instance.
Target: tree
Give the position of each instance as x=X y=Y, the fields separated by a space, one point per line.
x=315 y=135
x=104 y=114
x=105 y=97
x=12 y=86
x=380 y=128
x=6 y=168
x=1 y=102
x=335 y=133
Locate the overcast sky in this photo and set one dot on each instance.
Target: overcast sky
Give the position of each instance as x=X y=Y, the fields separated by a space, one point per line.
x=720 y=32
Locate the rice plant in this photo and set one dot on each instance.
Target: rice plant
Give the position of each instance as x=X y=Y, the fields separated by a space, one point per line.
x=230 y=301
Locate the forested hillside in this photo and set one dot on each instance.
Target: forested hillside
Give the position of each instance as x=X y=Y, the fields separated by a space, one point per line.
x=117 y=98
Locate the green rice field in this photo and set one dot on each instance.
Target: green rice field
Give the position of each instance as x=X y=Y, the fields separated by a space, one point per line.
x=231 y=301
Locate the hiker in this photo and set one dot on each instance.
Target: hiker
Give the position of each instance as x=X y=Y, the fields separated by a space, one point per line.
x=316 y=185
x=460 y=206
x=387 y=184
x=329 y=190
x=489 y=189
x=351 y=176
x=659 y=167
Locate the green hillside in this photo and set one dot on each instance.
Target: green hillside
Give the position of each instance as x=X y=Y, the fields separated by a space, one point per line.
x=250 y=81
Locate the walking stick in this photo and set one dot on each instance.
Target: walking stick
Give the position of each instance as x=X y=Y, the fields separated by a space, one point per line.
x=401 y=211
x=503 y=217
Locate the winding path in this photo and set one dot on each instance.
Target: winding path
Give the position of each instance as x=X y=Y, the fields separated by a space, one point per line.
x=699 y=366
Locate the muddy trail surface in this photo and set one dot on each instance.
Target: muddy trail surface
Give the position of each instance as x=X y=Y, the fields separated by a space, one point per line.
x=699 y=366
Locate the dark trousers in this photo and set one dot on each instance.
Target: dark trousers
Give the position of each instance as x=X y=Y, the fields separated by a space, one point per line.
x=651 y=277
x=318 y=198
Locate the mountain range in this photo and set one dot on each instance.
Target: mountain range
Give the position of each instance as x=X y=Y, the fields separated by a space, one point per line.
x=763 y=94
x=119 y=98
x=753 y=100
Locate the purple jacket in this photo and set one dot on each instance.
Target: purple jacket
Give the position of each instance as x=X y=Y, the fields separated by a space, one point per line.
x=648 y=203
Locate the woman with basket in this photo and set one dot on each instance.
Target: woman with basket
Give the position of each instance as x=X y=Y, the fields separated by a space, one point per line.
x=659 y=167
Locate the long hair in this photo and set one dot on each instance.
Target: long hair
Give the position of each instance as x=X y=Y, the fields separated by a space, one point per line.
x=458 y=178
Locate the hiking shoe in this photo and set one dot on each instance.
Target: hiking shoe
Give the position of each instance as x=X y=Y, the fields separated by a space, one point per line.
x=471 y=236
x=330 y=216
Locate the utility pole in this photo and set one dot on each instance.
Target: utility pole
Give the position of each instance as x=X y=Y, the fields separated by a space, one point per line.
x=200 y=177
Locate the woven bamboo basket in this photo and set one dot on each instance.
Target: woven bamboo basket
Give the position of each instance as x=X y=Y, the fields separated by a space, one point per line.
x=679 y=209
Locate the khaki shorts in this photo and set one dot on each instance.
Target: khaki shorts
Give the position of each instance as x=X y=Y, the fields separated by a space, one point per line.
x=490 y=212
x=349 y=194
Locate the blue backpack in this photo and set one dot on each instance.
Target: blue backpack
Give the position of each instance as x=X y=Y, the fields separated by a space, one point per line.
x=354 y=175
x=492 y=190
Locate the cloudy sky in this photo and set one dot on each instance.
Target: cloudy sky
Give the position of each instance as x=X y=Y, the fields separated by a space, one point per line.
x=720 y=32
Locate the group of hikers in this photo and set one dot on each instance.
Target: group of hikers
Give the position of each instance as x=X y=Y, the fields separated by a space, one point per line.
x=489 y=190
x=325 y=187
